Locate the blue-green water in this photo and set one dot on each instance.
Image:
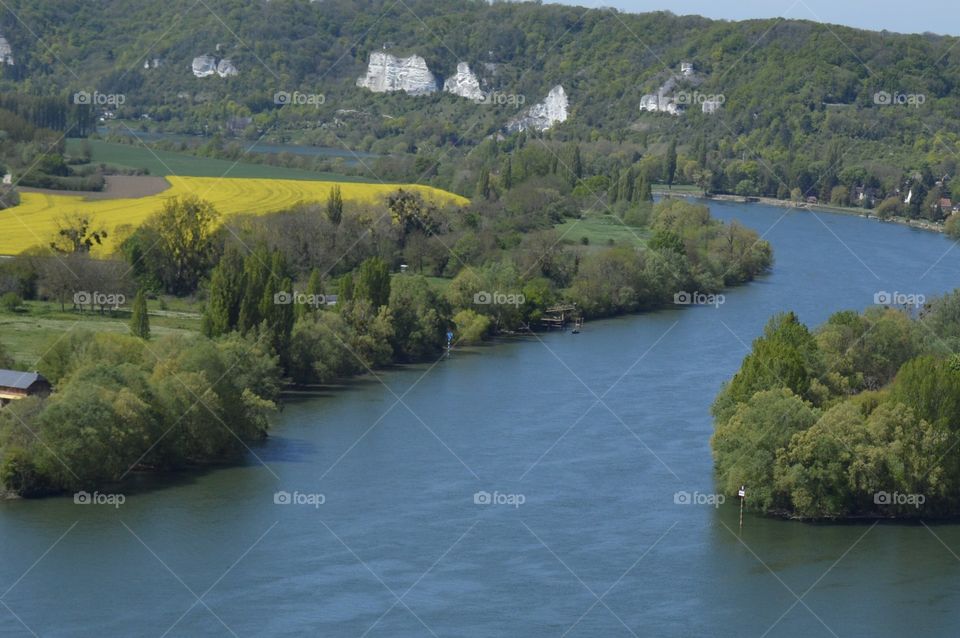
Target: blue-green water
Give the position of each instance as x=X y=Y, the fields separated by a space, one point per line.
x=596 y=432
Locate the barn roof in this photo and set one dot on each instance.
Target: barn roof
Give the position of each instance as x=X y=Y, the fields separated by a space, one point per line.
x=17 y=379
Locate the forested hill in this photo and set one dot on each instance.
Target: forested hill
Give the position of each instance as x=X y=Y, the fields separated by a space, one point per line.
x=799 y=98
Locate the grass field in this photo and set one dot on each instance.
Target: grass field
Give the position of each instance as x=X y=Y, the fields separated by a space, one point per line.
x=28 y=335
x=600 y=231
x=34 y=221
x=164 y=163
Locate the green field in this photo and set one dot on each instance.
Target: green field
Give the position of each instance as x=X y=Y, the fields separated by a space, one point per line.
x=601 y=231
x=164 y=163
x=28 y=333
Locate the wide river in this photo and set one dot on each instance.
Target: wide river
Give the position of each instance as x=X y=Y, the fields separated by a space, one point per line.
x=583 y=443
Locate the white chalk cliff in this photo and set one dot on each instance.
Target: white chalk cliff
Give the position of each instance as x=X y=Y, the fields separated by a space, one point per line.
x=464 y=83
x=387 y=73
x=543 y=115
x=6 y=51
x=226 y=68
x=204 y=66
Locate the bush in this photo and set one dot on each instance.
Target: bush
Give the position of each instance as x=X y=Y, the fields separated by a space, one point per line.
x=10 y=301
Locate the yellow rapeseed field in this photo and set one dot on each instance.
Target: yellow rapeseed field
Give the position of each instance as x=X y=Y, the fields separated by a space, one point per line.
x=35 y=221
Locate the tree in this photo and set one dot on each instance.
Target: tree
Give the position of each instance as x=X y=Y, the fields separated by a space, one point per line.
x=77 y=234
x=140 y=320
x=335 y=205
x=185 y=241
x=225 y=294
x=483 y=184
x=577 y=165
x=508 y=174
x=745 y=446
x=671 y=163
x=373 y=282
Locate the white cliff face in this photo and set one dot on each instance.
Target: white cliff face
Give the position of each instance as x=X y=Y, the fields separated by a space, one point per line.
x=204 y=66
x=387 y=73
x=226 y=68
x=464 y=83
x=544 y=115
x=6 y=51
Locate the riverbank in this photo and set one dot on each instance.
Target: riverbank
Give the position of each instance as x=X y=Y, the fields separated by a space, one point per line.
x=785 y=203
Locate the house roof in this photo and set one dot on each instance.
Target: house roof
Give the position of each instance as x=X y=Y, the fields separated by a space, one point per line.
x=18 y=380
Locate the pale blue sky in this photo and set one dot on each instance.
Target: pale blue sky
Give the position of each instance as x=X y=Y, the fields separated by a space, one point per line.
x=916 y=16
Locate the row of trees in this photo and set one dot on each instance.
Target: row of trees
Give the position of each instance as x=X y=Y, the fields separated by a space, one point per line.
x=123 y=405
x=859 y=418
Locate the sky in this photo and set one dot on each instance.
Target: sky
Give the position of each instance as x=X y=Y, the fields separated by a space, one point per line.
x=916 y=16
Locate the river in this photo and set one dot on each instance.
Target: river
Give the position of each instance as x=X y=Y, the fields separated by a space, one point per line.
x=583 y=443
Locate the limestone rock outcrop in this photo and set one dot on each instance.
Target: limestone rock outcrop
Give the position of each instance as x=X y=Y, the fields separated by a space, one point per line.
x=226 y=68
x=387 y=73
x=6 y=51
x=205 y=66
x=464 y=83
x=544 y=115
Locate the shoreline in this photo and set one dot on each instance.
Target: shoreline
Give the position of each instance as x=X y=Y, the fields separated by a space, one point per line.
x=803 y=206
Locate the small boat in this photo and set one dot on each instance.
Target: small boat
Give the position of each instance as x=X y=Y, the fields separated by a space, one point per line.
x=578 y=324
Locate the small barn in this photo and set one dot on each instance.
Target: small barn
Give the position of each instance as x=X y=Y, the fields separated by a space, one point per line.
x=15 y=385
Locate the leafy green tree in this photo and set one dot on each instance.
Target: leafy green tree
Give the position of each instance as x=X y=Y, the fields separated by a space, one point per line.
x=185 y=242
x=671 y=164
x=373 y=282
x=785 y=356
x=140 y=319
x=745 y=447
x=225 y=294
x=576 y=166
x=420 y=318
x=335 y=205
x=483 y=184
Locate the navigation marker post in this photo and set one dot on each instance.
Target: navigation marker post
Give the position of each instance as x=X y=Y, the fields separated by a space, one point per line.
x=449 y=340
x=742 y=493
